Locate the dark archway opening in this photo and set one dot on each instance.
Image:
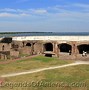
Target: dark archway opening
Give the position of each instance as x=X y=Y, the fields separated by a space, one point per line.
x=83 y=47
x=48 y=55
x=28 y=44
x=65 y=48
x=6 y=40
x=3 y=47
x=48 y=47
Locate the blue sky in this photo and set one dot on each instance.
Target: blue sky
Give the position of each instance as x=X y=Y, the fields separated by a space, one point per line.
x=44 y=15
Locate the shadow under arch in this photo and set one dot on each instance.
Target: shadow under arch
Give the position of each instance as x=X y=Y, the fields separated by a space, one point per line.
x=48 y=47
x=28 y=44
x=83 y=47
x=64 y=47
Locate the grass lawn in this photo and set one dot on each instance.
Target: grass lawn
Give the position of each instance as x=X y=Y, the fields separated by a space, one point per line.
x=32 y=63
x=75 y=74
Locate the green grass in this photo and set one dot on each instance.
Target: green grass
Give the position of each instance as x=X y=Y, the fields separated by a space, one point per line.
x=32 y=63
x=68 y=75
x=44 y=59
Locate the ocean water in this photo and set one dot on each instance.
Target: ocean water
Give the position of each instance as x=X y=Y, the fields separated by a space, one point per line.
x=45 y=34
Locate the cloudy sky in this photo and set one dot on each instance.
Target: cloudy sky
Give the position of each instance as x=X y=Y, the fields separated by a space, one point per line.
x=44 y=15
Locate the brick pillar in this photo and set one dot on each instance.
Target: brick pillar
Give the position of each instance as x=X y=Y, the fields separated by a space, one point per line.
x=43 y=48
x=53 y=47
x=56 y=49
x=32 y=48
x=74 y=50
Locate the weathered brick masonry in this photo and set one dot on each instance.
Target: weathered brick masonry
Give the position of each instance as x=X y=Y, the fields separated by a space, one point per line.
x=62 y=47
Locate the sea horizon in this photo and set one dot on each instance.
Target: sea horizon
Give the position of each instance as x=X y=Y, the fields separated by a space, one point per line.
x=11 y=34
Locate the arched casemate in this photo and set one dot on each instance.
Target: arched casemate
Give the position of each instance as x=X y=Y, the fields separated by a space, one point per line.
x=48 y=47
x=28 y=44
x=83 y=47
x=65 y=48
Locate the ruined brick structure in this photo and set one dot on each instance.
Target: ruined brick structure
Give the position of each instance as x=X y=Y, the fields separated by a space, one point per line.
x=64 y=47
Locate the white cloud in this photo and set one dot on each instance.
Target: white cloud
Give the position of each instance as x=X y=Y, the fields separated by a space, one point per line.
x=38 y=11
x=24 y=14
x=8 y=15
x=61 y=12
x=82 y=5
x=75 y=7
x=13 y=15
x=56 y=18
x=8 y=10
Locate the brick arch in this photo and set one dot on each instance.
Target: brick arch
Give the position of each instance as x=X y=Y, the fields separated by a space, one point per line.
x=28 y=44
x=83 y=47
x=48 y=46
x=64 y=47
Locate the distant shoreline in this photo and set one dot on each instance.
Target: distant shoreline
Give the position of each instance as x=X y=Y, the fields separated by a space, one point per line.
x=41 y=32
x=12 y=34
